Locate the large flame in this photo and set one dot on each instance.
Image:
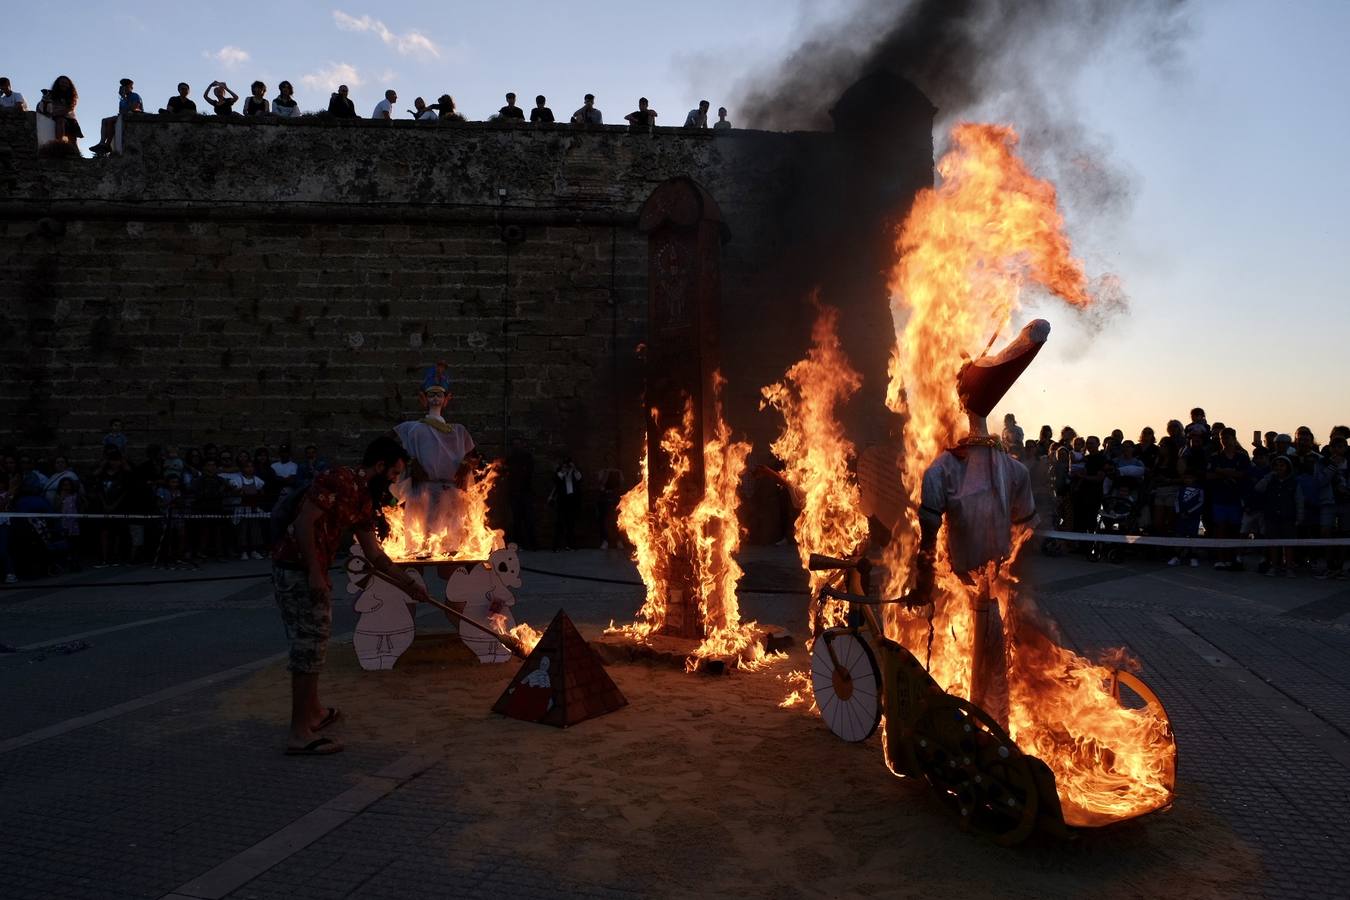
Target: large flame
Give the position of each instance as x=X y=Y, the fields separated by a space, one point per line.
x=817 y=455
x=675 y=547
x=457 y=530
x=966 y=251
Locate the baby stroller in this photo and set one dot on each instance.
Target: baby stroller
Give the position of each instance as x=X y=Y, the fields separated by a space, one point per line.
x=1119 y=515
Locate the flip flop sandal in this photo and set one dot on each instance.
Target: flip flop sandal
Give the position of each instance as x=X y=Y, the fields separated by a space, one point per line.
x=334 y=714
x=316 y=747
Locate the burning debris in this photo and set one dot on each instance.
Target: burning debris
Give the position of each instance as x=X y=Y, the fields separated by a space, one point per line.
x=456 y=530
x=685 y=537
x=682 y=516
x=817 y=455
x=967 y=674
x=965 y=253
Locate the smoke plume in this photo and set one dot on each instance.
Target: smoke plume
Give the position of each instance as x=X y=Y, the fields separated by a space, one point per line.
x=1012 y=61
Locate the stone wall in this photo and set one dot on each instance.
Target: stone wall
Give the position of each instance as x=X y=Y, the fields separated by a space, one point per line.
x=254 y=282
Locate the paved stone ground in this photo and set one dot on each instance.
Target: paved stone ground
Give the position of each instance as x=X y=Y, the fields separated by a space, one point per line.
x=120 y=780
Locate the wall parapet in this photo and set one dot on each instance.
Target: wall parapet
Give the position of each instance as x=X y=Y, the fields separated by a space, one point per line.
x=259 y=281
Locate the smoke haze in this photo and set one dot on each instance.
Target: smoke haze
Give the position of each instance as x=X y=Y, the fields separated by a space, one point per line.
x=1009 y=61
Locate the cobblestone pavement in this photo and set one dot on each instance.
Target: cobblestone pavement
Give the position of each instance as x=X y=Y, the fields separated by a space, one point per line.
x=120 y=779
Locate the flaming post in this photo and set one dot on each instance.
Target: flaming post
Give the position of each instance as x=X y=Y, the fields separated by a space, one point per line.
x=684 y=231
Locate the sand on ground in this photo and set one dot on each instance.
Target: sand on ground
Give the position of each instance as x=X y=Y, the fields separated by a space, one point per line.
x=704 y=786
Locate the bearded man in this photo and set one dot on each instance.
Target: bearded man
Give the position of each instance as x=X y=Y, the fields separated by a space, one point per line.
x=347 y=498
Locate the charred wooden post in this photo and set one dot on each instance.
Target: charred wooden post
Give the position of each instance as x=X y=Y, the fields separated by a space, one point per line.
x=685 y=232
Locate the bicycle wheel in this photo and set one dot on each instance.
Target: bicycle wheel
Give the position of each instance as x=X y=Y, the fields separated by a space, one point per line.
x=848 y=692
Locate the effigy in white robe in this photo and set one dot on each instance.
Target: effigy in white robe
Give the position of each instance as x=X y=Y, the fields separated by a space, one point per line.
x=439 y=448
x=983 y=497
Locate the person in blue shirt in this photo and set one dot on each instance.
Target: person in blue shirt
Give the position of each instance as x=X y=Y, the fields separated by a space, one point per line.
x=128 y=101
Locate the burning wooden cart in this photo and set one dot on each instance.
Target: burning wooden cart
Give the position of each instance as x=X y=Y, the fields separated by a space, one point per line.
x=859 y=675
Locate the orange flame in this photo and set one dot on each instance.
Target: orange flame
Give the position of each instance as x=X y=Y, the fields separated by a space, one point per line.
x=462 y=531
x=966 y=251
x=799 y=690
x=527 y=636
x=666 y=538
x=817 y=455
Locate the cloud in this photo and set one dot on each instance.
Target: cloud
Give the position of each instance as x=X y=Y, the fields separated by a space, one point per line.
x=409 y=43
x=333 y=75
x=229 y=56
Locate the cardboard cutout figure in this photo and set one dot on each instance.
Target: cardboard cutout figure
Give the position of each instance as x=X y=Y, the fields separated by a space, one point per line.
x=485 y=592
x=562 y=682
x=533 y=696
x=386 y=626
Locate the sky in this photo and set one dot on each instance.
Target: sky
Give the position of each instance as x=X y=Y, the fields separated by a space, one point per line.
x=1234 y=251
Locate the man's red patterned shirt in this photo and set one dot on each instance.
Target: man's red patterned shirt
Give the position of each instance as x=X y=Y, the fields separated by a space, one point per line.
x=344 y=500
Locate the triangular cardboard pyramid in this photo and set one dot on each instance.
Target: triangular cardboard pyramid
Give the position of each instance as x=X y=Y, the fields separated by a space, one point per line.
x=562 y=682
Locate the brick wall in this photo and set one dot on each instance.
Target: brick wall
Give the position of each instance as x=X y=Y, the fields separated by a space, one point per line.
x=253 y=283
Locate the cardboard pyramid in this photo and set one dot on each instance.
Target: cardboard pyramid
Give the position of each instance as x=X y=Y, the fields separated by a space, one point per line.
x=562 y=682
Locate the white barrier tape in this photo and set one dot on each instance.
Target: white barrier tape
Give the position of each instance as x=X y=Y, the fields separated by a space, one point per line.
x=141 y=516
x=1143 y=540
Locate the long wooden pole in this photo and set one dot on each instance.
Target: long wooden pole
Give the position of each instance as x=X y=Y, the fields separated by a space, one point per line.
x=509 y=642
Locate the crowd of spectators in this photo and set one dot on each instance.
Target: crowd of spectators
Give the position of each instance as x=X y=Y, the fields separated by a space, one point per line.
x=1199 y=480
x=189 y=505
x=60 y=101
x=236 y=488
x=185 y=506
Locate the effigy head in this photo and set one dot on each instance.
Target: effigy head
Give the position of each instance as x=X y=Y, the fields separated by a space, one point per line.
x=982 y=382
x=435 y=390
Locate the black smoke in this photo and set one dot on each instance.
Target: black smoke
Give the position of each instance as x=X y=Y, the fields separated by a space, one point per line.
x=1014 y=61
x=960 y=53
x=1009 y=61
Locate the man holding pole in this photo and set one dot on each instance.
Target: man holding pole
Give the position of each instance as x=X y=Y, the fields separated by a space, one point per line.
x=342 y=499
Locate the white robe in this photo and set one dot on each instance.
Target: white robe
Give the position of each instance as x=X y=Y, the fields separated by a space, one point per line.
x=983 y=497
x=439 y=454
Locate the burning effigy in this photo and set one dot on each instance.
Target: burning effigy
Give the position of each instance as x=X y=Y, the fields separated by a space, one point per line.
x=1013 y=730
x=440 y=517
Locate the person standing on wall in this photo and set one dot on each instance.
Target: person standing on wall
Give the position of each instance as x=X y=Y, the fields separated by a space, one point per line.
x=588 y=114
x=11 y=101
x=284 y=105
x=698 y=118
x=510 y=110
x=58 y=103
x=128 y=101
x=180 y=104
x=384 y=110
x=340 y=106
x=421 y=112
x=541 y=114
x=641 y=119
x=224 y=100
x=256 y=103
x=340 y=500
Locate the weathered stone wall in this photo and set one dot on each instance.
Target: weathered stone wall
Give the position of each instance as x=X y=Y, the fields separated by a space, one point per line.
x=249 y=283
